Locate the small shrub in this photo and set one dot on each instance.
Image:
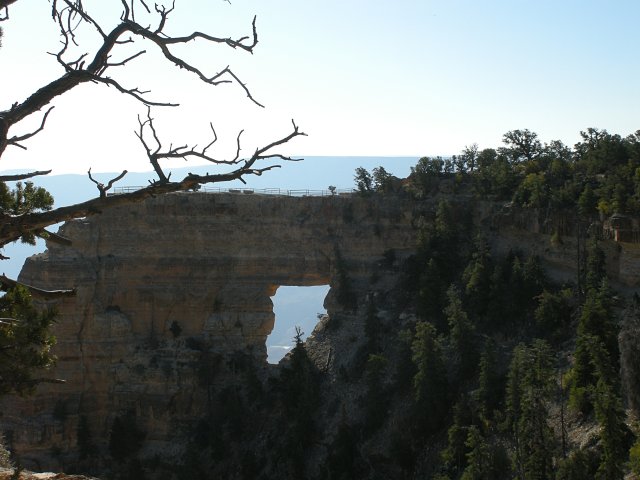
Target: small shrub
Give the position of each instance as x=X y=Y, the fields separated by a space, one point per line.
x=5 y=455
x=634 y=458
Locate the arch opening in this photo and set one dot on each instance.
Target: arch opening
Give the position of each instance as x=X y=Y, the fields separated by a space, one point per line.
x=294 y=306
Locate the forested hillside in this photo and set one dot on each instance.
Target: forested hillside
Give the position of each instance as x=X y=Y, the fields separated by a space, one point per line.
x=461 y=356
x=460 y=363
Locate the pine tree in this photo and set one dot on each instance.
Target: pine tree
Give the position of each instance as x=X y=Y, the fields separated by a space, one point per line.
x=462 y=336
x=430 y=381
x=25 y=342
x=479 y=464
x=529 y=390
x=477 y=277
x=597 y=334
x=376 y=397
x=454 y=456
x=488 y=395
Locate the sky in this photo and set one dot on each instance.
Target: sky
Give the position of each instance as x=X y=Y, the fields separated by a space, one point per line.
x=361 y=78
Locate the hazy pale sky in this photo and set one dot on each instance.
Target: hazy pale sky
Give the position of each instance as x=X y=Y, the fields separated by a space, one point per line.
x=361 y=77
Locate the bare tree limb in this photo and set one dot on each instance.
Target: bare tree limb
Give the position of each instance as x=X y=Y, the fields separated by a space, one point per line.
x=105 y=188
x=78 y=71
x=23 y=176
x=15 y=140
x=184 y=151
x=12 y=227
x=53 y=237
x=6 y=283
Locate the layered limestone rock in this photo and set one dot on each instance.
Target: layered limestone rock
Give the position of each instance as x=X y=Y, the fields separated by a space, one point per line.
x=170 y=292
x=174 y=296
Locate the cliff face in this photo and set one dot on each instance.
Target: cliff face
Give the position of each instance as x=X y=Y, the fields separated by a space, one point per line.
x=173 y=296
x=171 y=289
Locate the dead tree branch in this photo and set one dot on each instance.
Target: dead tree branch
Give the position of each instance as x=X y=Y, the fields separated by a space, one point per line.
x=184 y=151
x=15 y=140
x=52 y=237
x=93 y=69
x=7 y=283
x=105 y=188
x=23 y=176
x=12 y=227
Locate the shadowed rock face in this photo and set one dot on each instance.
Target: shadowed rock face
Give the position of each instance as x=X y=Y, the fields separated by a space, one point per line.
x=170 y=289
x=174 y=294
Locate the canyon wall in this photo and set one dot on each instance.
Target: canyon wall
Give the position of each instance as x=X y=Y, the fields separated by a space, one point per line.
x=174 y=294
x=169 y=290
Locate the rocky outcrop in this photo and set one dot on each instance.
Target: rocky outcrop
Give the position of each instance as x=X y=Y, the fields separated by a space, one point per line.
x=174 y=295
x=168 y=291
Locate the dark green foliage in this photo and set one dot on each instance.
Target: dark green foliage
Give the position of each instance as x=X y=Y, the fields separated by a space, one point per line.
x=24 y=198
x=484 y=460
x=488 y=396
x=364 y=181
x=425 y=175
x=553 y=314
x=454 y=456
x=462 y=336
x=595 y=268
x=529 y=390
x=382 y=180
x=376 y=403
x=596 y=355
x=579 y=465
x=299 y=388
x=587 y=201
x=430 y=382
x=344 y=462
x=25 y=342
x=634 y=457
x=405 y=367
x=5 y=455
x=477 y=277
x=439 y=251
x=514 y=287
x=614 y=434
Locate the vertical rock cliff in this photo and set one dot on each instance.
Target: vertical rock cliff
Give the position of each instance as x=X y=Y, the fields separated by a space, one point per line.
x=171 y=289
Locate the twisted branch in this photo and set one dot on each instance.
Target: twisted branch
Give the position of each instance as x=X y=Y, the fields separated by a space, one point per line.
x=105 y=188
x=12 y=227
x=81 y=70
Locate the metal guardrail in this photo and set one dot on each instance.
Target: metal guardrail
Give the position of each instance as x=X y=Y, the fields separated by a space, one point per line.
x=253 y=191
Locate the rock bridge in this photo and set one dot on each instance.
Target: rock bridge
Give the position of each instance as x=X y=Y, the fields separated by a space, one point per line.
x=169 y=288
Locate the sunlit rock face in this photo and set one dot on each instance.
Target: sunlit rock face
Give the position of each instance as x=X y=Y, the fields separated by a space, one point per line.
x=169 y=290
x=174 y=296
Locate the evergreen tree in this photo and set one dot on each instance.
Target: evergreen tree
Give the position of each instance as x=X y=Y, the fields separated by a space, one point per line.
x=595 y=266
x=614 y=433
x=553 y=313
x=477 y=277
x=364 y=181
x=454 y=456
x=430 y=381
x=529 y=390
x=479 y=465
x=300 y=399
x=382 y=180
x=461 y=336
x=488 y=395
x=597 y=354
x=25 y=342
x=376 y=397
